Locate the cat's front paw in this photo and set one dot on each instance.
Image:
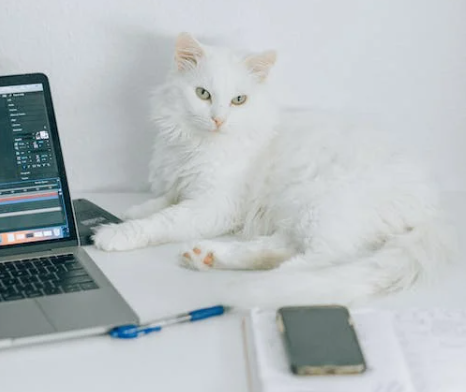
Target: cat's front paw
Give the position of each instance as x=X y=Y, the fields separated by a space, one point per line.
x=198 y=257
x=118 y=237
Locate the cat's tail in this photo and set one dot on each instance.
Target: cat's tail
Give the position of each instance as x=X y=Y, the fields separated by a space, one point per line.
x=416 y=255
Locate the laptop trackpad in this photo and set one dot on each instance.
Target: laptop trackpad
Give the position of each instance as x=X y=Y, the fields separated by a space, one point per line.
x=22 y=318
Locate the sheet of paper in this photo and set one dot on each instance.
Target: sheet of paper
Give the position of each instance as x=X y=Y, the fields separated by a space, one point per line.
x=386 y=371
x=434 y=343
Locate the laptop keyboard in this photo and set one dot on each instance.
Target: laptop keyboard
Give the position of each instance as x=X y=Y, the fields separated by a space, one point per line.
x=39 y=277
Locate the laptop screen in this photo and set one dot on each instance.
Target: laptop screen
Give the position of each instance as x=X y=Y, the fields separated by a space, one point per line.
x=32 y=194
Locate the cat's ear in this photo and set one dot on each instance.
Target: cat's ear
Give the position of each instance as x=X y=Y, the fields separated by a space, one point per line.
x=260 y=64
x=187 y=51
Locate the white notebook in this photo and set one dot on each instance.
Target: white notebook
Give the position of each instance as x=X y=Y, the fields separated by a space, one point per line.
x=409 y=351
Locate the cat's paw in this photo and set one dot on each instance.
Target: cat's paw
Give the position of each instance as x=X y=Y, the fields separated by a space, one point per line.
x=118 y=237
x=198 y=257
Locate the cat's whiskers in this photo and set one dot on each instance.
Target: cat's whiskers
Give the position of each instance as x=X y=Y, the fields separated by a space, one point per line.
x=203 y=124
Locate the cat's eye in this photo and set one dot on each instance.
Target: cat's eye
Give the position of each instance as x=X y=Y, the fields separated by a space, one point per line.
x=239 y=100
x=202 y=93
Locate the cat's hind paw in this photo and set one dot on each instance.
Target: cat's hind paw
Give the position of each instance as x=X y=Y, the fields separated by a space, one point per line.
x=198 y=258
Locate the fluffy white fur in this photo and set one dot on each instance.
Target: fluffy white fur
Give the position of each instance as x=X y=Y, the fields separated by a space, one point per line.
x=335 y=212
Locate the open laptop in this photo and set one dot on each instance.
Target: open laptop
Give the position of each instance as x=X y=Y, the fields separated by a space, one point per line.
x=49 y=287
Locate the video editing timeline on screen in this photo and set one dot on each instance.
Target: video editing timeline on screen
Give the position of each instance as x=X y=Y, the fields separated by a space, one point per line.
x=31 y=201
x=31 y=211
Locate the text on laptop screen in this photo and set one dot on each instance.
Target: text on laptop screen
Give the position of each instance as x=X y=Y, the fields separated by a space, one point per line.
x=31 y=199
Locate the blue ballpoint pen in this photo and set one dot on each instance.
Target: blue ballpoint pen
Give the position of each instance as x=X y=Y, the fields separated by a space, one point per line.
x=132 y=331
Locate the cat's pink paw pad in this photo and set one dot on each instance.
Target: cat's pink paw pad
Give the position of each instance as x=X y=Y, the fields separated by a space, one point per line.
x=197 y=259
x=187 y=256
x=209 y=259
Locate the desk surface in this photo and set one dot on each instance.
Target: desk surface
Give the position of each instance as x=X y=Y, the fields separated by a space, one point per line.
x=205 y=356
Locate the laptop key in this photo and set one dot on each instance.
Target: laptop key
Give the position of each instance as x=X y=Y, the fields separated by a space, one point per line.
x=29 y=279
x=52 y=290
x=41 y=270
x=41 y=264
x=26 y=279
x=47 y=277
x=3 y=290
x=48 y=285
x=57 y=261
x=78 y=280
x=66 y=259
x=9 y=265
x=12 y=296
x=27 y=264
x=52 y=268
x=20 y=287
x=33 y=293
x=10 y=282
x=89 y=286
x=20 y=273
x=25 y=287
x=68 y=256
x=72 y=273
x=71 y=288
x=61 y=268
x=73 y=265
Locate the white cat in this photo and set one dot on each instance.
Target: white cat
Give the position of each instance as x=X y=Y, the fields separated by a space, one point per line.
x=334 y=211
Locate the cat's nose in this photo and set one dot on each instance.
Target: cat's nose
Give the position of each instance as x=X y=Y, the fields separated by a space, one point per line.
x=218 y=121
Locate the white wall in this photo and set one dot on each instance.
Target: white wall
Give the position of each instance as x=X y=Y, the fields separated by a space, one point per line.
x=402 y=61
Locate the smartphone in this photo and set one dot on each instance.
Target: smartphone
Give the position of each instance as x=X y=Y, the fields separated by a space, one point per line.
x=320 y=340
x=88 y=217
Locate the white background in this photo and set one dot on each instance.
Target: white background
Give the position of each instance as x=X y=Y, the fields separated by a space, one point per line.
x=402 y=62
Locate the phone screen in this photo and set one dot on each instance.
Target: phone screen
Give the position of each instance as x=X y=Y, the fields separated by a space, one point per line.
x=320 y=340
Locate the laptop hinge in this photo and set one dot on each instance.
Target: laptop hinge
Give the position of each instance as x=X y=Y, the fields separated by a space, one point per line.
x=38 y=248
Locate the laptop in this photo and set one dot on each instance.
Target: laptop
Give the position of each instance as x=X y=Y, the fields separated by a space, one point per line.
x=49 y=287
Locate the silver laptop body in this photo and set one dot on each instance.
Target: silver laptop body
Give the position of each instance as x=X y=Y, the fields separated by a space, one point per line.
x=49 y=287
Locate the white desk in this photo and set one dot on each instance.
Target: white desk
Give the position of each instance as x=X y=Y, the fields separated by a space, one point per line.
x=205 y=356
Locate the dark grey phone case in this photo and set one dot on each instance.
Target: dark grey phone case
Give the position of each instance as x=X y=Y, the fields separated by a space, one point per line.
x=320 y=340
x=88 y=217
